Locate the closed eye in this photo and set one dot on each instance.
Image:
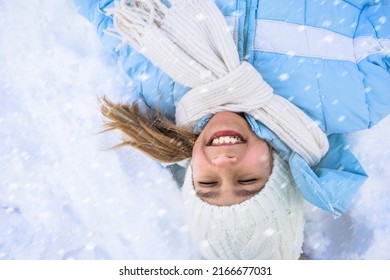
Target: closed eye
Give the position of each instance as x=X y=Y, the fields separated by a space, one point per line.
x=207 y=184
x=248 y=181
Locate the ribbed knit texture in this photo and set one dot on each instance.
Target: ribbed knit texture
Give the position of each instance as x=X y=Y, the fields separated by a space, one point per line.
x=269 y=225
x=191 y=42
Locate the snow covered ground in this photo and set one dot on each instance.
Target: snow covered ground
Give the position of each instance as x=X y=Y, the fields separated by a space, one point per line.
x=63 y=197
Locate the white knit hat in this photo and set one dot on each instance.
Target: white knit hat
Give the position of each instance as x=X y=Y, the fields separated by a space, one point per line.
x=267 y=226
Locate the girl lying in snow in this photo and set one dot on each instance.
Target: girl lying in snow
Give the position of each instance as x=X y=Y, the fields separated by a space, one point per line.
x=258 y=95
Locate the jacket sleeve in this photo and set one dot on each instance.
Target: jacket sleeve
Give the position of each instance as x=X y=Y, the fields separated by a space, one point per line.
x=334 y=182
x=372 y=52
x=149 y=83
x=93 y=10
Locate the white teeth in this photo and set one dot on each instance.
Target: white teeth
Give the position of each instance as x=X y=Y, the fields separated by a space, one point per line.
x=226 y=140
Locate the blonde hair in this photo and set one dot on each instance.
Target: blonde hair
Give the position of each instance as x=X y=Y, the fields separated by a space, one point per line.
x=149 y=131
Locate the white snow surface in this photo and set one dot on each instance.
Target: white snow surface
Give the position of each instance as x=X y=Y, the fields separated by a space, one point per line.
x=63 y=196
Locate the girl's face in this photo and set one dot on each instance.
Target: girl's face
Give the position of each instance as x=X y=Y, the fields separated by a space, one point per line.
x=230 y=163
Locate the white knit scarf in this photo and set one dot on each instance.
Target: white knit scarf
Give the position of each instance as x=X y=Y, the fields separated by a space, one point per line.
x=191 y=42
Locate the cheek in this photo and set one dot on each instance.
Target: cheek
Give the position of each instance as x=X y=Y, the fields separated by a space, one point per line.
x=261 y=156
x=264 y=163
x=197 y=161
x=196 y=155
x=265 y=158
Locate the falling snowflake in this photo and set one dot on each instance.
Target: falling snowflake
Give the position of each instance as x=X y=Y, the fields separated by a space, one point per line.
x=341 y=118
x=328 y=39
x=90 y=246
x=283 y=77
x=161 y=212
x=326 y=23
x=382 y=20
x=200 y=17
x=336 y=2
x=269 y=232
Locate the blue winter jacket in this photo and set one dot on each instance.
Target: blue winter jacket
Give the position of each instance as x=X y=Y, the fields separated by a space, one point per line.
x=330 y=58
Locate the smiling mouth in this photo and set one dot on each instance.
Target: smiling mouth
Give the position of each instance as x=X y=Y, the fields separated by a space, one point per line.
x=228 y=137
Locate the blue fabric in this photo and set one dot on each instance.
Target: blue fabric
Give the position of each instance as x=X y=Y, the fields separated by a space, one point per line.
x=341 y=96
x=334 y=182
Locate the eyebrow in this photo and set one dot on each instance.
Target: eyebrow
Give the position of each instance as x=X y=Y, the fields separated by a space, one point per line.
x=239 y=193
x=247 y=193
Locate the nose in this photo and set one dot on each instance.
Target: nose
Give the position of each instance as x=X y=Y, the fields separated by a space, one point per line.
x=223 y=160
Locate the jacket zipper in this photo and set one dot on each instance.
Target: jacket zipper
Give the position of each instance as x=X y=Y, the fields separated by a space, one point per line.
x=246 y=28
